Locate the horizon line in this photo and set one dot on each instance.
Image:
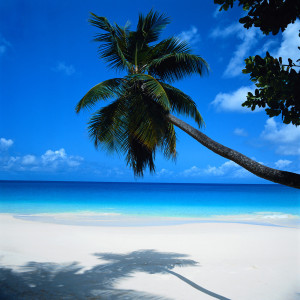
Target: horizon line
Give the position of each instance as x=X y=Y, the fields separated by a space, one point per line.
x=128 y=182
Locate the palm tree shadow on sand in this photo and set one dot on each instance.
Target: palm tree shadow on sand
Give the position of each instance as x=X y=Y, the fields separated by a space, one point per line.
x=54 y=281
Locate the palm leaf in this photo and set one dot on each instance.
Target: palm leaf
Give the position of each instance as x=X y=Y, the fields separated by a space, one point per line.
x=135 y=127
x=182 y=103
x=149 y=85
x=169 y=46
x=149 y=27
x=115 y=128
x=102 y=91
x=139 y=157
x=106 y=126
x=113 y=43
x=168 y=142
x=176 y=66
x=149 y=129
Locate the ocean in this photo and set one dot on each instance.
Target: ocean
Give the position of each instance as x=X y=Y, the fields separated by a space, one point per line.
x=190 y=202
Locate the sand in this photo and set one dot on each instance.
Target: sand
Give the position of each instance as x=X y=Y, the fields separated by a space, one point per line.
x=41 y=260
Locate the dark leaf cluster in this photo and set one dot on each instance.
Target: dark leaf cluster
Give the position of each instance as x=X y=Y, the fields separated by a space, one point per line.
x=268 y=15
x=278 y=87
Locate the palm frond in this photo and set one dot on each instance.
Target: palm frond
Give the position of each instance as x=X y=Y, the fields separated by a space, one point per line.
x=148 y=120
x=100 y=22
x=182 y=103
x=107 y=127
x=168 y=142
x=115 y=128
x=102 y=91
x=176 y=66
x=139 y=157
x=151 y=86
x=170 y=45
x=113 y=43
x=135 y=126
x=150 y=26
x=150 y=130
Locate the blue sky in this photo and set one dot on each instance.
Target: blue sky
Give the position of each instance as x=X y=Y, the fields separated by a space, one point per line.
x=48 y=62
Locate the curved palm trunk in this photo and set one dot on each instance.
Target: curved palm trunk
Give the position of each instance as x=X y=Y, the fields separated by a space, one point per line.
x=277 y=176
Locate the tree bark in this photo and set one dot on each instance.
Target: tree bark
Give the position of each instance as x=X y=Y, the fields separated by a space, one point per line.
x=277 y=176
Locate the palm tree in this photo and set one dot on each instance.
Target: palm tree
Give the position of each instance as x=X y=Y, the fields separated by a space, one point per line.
x=138 y=121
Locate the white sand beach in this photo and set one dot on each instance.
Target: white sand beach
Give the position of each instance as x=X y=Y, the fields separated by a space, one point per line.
x=42 y=260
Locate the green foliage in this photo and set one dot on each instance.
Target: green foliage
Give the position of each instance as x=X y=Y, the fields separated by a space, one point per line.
x=103 y=90
x=278 y=87
x=269 y=16
x=277 y=84
x=134 y=123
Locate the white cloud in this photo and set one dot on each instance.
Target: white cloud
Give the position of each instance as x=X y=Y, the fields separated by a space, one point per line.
x=281 y=133
x=227 y=31
x=57 y=158
x=191 y=36
x=285 y=137
x=289 y=44
x=193 y=171
x=223 y=169
x=240 y=132
x=29 y=160
x=249 y=37
x=282 y=163
x=248 y=40
x=51 y=156
x=5 y=144
x=229 y=168
x=288 y=150
x=214 y=171
x=66 y=69
x=233 y=101
x=236 y=63
x=9 y=162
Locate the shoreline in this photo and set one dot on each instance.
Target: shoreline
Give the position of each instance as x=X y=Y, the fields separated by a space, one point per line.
x=92 y=218
x=186 y=261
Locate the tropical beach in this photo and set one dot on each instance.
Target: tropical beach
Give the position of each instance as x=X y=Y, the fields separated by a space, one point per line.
x=150 y=245
x=189 y=261
x=149 y=150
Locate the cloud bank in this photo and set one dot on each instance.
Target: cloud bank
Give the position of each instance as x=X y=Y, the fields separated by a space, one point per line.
x=248 y=39
x=289 y=44
x=228 y=169
x=233 y=101
x=50 y=161
x=286 y=138
x=5 y=144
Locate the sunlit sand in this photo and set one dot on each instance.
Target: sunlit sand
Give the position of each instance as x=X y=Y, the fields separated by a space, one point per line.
x=186 y=261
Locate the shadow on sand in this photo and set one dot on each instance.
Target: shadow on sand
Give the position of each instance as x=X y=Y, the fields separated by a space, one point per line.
x=54 y=281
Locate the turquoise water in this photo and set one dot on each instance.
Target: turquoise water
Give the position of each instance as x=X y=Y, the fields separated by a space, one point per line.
x=147 y=199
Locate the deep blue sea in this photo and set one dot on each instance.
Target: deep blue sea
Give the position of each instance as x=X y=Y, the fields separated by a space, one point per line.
x=148 y=199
